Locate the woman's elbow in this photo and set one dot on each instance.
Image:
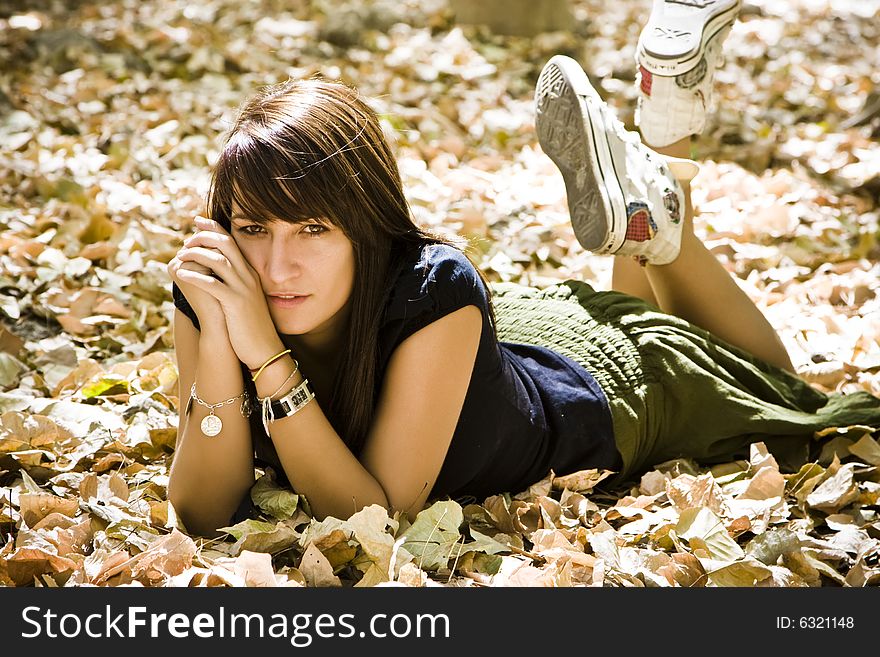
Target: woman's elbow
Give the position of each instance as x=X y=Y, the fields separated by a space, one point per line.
x=198 y=522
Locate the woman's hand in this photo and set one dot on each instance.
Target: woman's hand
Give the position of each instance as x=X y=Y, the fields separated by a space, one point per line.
x=228 y=278
x=207 y=307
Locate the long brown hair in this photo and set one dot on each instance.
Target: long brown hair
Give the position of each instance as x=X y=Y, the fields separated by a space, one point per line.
x=313 y=149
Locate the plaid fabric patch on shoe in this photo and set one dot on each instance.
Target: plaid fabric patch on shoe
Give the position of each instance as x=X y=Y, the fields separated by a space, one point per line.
x=646 y=78
x=640 y=226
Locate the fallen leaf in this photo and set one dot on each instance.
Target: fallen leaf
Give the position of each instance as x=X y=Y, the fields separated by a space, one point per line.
x=255 y=568
x=317 y=569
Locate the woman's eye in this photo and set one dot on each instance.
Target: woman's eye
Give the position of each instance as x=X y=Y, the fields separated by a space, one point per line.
x=250 y=230
x=315 y=229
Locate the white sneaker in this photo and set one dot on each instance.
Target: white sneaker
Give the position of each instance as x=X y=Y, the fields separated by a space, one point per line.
x=622 y=196
x=677 y=54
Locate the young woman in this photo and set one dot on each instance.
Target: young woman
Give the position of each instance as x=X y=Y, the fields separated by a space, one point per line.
x=369 y=362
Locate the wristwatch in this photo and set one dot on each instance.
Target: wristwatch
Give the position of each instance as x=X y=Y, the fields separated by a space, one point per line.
x=287 y=405
x=293 y=400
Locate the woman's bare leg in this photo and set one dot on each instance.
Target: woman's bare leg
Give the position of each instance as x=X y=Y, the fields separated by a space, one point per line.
x=697 y=288
x=628 y=275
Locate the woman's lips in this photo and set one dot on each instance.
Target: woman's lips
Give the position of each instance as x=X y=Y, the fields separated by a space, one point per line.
x=288 y=303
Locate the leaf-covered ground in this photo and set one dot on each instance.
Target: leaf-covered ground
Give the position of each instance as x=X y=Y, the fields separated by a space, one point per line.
x=110 y=117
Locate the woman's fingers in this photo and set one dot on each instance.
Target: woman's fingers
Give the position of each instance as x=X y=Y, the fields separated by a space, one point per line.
x=203 y=281
x=175 y=266
x=191 y=265
x=211 y=259
x=223 y=243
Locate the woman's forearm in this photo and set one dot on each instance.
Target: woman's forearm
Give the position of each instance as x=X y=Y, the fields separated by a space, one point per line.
x=315 y=459
x=209 y=475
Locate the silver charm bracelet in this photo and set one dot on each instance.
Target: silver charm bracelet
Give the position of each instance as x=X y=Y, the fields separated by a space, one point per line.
x=212 y=425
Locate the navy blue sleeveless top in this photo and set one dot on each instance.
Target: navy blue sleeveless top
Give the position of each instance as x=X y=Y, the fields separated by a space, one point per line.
x=527 y=409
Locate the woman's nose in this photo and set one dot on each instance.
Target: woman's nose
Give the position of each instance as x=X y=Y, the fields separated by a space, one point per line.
x=283 y=263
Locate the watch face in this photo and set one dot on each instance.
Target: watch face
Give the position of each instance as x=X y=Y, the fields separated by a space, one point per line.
x=211 y=425
x=294 y=400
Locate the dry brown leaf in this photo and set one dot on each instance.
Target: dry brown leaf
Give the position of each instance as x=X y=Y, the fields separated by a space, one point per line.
x=103 y=487
x=255 y=568
x=765 y=484
x=582 y=481
x=867 y=449
x=65 y=533
x=748 y=572
x=108 y=462
x=836 y=491
x=410 y=575
x=336 y=548
x=26 y=563
x=317 y=568
x=5 y=551
x=167 y=556
x=36 y=506
x=34 y=430
x=684 y=570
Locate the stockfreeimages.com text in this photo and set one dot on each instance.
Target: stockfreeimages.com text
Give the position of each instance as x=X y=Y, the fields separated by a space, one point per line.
x=300 y=629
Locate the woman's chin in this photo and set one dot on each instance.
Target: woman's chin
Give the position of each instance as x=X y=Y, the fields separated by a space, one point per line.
x=289 y=326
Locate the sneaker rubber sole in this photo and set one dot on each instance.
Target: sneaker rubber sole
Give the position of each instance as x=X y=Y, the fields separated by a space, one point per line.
x=674 y=44
x=572 y=133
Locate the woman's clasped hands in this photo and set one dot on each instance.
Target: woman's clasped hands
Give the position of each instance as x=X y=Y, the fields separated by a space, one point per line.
x=225 y=291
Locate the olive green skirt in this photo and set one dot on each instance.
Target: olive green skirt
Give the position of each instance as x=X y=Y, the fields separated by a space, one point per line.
x=674 y=389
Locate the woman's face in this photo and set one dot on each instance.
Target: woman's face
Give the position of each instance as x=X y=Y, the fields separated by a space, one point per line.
x=312 y=261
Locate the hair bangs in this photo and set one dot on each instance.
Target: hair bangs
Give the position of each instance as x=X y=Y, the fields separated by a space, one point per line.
x=266 y=183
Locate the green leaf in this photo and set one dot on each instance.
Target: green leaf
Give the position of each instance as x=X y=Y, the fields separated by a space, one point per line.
x=248 y=527
x=103 y=386
x=133 y=531
x=484 y=544
x=433 y=536
x=488 y=564
x=274 y=500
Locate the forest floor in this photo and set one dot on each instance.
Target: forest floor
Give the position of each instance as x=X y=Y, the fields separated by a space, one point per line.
x=111 y=115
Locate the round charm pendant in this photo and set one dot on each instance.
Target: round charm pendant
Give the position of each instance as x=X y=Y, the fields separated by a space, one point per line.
x=211 y=425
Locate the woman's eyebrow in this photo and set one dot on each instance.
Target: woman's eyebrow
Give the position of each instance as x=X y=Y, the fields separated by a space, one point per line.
x=242 y=217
